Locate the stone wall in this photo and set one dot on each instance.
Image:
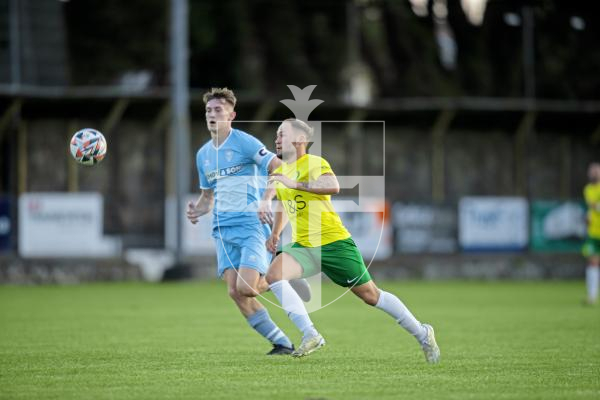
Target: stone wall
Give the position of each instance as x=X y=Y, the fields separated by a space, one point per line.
x=14 y=270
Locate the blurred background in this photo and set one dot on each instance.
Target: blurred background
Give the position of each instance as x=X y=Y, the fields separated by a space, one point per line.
x=491 y=111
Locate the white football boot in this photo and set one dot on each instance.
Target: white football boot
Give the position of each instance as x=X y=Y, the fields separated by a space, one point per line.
x=430 y=347
x=309 y=345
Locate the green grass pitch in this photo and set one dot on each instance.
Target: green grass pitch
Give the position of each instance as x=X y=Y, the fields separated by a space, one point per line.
x=188 y=341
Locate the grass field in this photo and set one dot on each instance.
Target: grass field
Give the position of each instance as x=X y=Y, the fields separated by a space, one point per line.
x=176 y=341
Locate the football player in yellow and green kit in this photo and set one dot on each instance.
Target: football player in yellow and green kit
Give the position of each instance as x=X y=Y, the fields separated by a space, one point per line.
x=591 y=248
x=320 y=242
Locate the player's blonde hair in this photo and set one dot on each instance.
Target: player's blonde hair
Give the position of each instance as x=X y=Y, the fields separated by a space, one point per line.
x=301 y=126
x=220 y=93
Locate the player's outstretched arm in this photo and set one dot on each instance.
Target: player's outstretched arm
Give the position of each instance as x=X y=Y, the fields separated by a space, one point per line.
x=202 y=206
x=325 y=184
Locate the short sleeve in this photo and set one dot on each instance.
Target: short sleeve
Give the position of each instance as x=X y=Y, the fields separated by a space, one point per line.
x=257 y=152
x=201 y=175
x=319 y=167
x=264 y=170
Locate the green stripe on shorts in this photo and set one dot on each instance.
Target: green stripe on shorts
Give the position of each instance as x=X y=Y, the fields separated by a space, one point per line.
x=341 y=261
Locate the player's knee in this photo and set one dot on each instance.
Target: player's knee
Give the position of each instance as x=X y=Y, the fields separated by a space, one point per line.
x=245 y=290
x=370 y=297
x=233 y=293
x=371 y=300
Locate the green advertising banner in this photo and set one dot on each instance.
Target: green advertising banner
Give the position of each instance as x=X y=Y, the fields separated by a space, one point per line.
x=557 y=226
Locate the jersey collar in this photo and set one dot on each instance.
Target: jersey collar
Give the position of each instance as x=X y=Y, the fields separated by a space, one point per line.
x=221 y=145
x=296 y=160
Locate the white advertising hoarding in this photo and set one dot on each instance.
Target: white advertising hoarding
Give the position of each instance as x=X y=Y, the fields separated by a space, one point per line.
x=195 y=239
x=425 y=228
x=493 y=223
x=63 y=225
x=370 y=225
x=371 y=234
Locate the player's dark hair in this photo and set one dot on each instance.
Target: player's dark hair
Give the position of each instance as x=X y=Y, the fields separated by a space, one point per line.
x=301 y=126
x=220 y=93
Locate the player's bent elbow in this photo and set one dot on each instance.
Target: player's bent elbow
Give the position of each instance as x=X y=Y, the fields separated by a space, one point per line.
x=332 y=190
x=335 y=186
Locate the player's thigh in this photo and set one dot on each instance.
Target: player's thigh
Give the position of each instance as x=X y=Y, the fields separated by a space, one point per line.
x=247 y=281
x=228 y=255
x=254 y=254
x=230 y=277
x=285 y=267
x=342 y=262
x=303 y=257
x=247 y=247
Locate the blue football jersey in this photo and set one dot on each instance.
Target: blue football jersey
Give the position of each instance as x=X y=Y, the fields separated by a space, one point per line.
x=235 y=171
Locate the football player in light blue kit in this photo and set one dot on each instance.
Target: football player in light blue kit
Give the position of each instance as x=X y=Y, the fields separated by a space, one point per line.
x=229 y=166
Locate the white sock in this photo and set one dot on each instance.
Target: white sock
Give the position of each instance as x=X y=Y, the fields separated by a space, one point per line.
x=592 y=274
x=294 y=307
x=394 y=307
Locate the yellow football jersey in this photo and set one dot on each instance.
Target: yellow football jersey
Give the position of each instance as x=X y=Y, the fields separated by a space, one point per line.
x=312 y=216
x=591 y=193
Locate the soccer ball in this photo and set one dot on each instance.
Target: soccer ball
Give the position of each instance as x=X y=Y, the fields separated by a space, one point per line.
x=88 y=146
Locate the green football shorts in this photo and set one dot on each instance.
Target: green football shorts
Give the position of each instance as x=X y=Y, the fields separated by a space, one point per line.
x=341 y=261
x=591 y=247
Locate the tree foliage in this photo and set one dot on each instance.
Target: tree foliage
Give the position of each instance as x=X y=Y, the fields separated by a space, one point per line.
x=260 y=46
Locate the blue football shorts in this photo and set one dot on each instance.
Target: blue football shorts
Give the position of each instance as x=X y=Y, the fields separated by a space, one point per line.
x=242 y=246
